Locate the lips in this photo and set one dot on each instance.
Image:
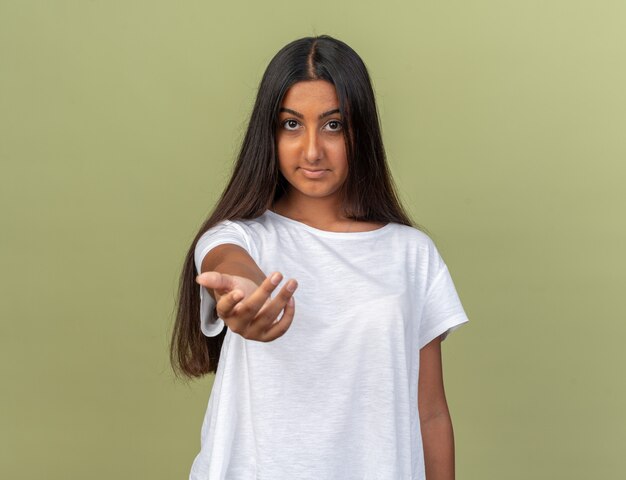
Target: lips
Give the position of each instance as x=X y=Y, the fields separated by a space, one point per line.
x=313 y=173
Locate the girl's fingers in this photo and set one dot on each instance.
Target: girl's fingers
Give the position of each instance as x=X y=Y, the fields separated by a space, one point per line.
x=226 y=303
x=280 y=326
x=256 y=316
x=268 y=314
x=215 y=280
x=257 y=299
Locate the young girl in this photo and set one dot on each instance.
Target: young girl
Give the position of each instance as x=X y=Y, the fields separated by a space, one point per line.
x=343 y=379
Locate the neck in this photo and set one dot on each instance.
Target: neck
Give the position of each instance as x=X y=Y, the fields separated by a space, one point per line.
x=313 y=211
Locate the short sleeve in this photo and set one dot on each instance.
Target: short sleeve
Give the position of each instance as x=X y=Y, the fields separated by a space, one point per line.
x=224 y=232
x=443 y=312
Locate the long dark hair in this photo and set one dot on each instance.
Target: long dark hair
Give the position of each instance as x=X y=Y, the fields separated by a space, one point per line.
x=256 y=182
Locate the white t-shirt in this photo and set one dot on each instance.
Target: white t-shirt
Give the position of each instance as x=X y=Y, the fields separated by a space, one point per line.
x=335 y=397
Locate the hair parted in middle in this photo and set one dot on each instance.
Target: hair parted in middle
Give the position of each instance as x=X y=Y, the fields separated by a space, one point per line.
x=256 y=181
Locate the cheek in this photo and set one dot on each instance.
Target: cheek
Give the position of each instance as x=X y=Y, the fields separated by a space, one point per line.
x=285 y=151
x=282 y=167
x=340 y=157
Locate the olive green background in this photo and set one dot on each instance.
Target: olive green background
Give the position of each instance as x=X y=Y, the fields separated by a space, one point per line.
x=504 y=124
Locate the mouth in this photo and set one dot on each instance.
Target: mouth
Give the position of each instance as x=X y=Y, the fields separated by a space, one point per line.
x=313 y=173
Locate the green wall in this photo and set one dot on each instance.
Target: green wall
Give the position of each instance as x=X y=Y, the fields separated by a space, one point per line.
x=504 y=125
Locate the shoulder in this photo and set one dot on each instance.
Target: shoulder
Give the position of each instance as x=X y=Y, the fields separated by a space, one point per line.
x=414 y=236
x=224 y=229
x=419 y=248
x=258 y=227
x=239 y=226
x=223 y=232
x=247 y=233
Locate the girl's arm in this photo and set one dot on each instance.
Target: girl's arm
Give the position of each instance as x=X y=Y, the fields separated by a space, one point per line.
x=232 y=260
x=435 y=421
x=242 y=293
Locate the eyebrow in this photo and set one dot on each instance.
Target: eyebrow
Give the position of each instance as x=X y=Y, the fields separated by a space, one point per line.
x=299 y=115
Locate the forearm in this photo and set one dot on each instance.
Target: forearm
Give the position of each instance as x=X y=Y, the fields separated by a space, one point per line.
x=232 y=260
x=438 y=442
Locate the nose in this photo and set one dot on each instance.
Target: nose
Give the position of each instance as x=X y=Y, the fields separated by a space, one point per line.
x=312 y=147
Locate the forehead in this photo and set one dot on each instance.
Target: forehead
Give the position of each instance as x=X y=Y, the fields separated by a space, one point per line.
x=311 y=95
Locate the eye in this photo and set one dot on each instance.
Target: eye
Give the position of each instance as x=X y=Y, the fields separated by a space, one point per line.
x=290 y=124
x=334 y=125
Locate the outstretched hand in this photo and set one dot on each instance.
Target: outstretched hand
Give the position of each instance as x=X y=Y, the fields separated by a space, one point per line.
x=247 y=308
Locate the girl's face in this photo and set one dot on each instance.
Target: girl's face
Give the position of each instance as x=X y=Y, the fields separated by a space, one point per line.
x=310 y=141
